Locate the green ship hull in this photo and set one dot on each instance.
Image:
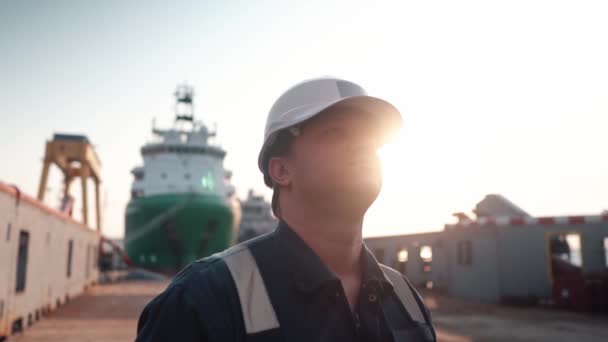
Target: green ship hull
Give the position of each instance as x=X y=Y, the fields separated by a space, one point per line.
x=164 y=233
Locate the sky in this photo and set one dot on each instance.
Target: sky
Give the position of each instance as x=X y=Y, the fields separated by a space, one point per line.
x=497 y=97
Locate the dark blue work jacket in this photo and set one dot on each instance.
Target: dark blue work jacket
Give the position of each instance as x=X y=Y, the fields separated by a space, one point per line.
x=275 y=288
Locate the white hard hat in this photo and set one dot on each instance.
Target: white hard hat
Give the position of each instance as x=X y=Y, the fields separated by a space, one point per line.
x=311 y=97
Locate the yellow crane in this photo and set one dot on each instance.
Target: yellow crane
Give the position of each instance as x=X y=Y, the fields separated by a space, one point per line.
x=76 y=158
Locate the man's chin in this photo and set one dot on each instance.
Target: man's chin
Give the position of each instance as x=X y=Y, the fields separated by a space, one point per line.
x=358 y=197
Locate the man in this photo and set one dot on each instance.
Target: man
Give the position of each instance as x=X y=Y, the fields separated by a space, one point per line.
x=312 y=278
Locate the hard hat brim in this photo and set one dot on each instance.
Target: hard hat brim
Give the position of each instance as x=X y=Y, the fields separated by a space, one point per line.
x=388 y=116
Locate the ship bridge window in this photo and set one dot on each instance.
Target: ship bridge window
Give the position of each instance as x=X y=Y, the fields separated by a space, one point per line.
x=207 y=181
x=137 y=193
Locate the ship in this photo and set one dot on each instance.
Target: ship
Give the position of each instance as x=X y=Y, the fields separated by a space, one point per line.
x=257 y=218
x=183 y=206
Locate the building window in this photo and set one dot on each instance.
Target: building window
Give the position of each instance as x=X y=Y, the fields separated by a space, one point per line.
x=187 y=176
x=576 y=255
x=402 y=258
x=426 y=254
x=24 y=241
x=379 y=253
x=95 y=256
x=465 y=252
x=70 y=251
x=87 y=262
x=567 y=248
x=8 y=232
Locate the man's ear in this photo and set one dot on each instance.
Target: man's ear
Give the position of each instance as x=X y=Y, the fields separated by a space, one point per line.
x=278 y=170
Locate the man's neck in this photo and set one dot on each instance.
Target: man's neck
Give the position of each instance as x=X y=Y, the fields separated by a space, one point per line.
x=336 y=240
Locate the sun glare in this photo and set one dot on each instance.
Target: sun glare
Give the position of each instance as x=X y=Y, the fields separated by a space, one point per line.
x=413 y=179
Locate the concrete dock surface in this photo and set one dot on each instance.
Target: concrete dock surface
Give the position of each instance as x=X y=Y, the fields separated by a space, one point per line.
x=109 y=312
x=104 y=313
x=463 y=321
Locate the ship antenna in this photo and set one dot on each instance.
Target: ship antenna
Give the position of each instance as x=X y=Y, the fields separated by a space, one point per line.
x=184 y=104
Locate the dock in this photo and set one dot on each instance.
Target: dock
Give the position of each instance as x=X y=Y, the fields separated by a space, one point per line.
x=104 y=313
x=109 y=312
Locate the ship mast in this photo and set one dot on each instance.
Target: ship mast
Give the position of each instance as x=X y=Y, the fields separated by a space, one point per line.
x=184 y=104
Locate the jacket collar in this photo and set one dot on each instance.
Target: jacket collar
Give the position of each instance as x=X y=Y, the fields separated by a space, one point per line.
x=310 y=273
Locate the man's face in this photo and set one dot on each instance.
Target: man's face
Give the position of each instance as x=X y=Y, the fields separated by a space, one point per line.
x=334 y=160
